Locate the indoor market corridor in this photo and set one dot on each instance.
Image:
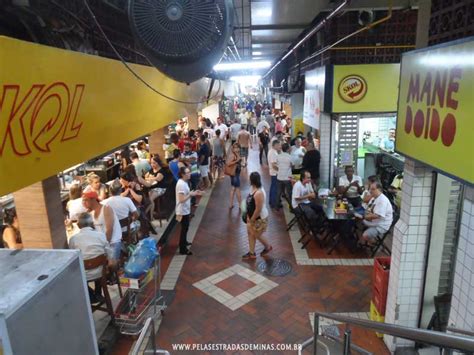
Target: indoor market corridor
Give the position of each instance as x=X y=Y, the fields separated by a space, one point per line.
x=263 y=309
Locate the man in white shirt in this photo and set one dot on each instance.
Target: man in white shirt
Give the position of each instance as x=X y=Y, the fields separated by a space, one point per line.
x=351 y=186
x=378 y=216
x=261 y=125
x=234 y=131
x=92 y=244
x=122 y=206
x=284 y=173
x=297 y=154
x=222 y=127
x=302 y=190
x=272 y=169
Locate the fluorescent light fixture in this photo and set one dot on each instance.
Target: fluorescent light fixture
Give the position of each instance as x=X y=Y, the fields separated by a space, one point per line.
x=263 y=12
x=256 y=64
x=246 y=80
x=256 y=53
x=448 y=60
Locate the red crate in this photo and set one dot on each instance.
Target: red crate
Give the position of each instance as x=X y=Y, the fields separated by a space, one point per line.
x=380 y=301
x=381 y=275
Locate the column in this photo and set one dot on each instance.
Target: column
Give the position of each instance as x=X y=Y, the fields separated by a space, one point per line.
x=326 y=138
x=40 y=214
x=462 y=304
x=156 y=141
x=410 y=240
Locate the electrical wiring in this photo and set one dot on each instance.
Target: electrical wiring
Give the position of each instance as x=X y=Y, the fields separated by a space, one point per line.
x=138 y=77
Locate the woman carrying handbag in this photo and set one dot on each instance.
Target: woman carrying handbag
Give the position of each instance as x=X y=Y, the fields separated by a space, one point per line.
x=232 y=168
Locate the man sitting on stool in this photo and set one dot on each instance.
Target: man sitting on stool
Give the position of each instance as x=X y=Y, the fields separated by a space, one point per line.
x=378 y=215
x=92 y=244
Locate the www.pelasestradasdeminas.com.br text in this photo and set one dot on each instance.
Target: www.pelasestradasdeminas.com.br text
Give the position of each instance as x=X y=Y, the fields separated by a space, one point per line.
x=235 y=347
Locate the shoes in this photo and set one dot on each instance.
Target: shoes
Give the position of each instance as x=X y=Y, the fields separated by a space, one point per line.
x=249 y=255
x=187 y=252
x=266 y=251
x=97 y=299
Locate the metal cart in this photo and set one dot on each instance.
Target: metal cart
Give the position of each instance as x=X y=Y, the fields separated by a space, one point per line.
x=142 y=300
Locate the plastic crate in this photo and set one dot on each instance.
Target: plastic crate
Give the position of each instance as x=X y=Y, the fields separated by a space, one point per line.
x=376 y=316
x=380 y=301
x=381 y=275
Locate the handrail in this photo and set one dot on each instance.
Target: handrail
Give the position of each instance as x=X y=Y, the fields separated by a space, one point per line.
x=460 y=331
x=308 y=342
x=439 y=339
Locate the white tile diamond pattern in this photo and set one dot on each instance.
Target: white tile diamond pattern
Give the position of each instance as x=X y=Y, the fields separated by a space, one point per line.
x=208 y=286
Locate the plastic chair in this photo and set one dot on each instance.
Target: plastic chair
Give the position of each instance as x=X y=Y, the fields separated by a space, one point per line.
x=380 y=239
x=93 y=263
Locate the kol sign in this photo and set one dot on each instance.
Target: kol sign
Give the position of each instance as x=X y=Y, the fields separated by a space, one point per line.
x=59 y=108
x=434 y=123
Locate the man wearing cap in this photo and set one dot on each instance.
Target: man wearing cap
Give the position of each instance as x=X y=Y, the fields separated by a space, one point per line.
x=105 y=221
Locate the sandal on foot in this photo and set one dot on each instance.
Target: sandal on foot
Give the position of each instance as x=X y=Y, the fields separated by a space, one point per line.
x=266 y=251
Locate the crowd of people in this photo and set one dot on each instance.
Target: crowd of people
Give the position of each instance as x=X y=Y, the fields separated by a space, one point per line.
x=194 y=160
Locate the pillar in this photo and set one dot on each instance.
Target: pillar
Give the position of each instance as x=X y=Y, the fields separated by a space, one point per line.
x=40 y=214
x=326 y=149
x=461 y=315
x=156 y=141
x=410 y=241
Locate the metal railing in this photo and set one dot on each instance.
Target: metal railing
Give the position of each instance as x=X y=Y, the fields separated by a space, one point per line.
x=460 y=331
x=441 y=340
x=146 y=343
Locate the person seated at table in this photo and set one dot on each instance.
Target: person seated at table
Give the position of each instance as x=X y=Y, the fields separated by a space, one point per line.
x=142 y=166
x=91 y=243
x=366 y=196
x=158 y=178
x=105 y=221
x=95 y=185
x=122 y=206
x=74 y=205
x=350 y=186
x=11 y=235
x=378 y=215
x=303 y=193
x=142 y=151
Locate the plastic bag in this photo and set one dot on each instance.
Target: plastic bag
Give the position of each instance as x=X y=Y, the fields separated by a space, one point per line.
x=142 y=258
x=243 y=209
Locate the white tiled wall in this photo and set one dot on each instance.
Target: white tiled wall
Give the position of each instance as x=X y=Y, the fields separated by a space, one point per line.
x=408 y=250
x=462 y=304
x=325 y=148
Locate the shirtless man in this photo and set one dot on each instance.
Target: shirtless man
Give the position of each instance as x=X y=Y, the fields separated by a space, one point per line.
x=243 y=139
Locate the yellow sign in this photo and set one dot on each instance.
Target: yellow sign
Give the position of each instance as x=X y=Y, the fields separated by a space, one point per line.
x=59 y=108
x=298 y=126
x=352 y=88
x=365 y=88
x=434 y=123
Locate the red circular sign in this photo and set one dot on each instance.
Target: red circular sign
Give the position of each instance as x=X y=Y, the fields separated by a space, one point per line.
x=352 y=88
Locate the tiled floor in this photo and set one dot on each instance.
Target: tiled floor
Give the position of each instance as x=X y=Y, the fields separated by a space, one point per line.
x=222 y=299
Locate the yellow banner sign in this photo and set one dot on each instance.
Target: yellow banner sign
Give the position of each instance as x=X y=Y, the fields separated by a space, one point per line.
x=436 y=102
x=365 y=88
x=59 y=108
